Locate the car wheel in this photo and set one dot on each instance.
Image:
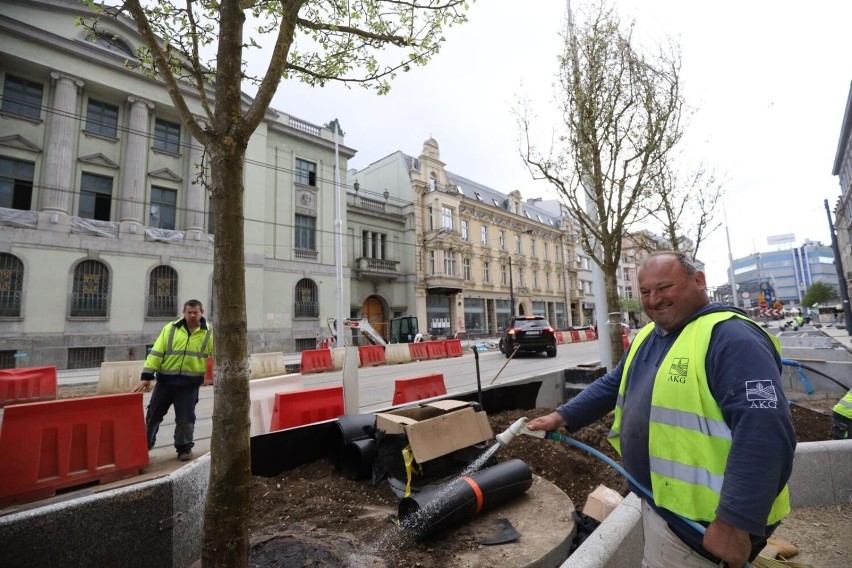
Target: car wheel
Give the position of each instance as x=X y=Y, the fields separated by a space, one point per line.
x=551 y=351
x=502 y=345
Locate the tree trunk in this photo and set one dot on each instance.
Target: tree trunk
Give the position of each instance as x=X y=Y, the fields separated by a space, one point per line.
x=228 y=498
x=613 y=305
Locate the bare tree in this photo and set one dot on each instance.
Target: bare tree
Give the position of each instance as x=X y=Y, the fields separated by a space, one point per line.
x=621 y=117
x=685 y=206
x=364 y=42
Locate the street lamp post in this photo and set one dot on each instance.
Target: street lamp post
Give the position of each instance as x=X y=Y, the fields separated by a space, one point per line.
x=511 y=290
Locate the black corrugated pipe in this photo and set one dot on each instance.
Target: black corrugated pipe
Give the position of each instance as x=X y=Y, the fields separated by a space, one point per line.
x=357 y=459
x=346 y=429
x=463 y=498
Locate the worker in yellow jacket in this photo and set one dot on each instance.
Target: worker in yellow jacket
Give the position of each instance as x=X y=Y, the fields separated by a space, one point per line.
x=841 y=418
x=178 y=362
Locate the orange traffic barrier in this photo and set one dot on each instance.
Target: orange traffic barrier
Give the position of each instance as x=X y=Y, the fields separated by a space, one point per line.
x=208 y=375
x=436 y=349
x=454 y=348
x=560 y=337
x=27 y=384
x=418 y=388
x=575 y=336
x=47 y=446
x=591 y=335
x=372 y=355
x=316 y=361
x=418 y=351
x=297 y=408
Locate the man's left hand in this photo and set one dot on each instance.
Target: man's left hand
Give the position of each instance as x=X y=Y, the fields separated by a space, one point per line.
x=727 y=542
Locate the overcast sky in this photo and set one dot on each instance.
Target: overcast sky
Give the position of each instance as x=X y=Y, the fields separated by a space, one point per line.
x=769 y=80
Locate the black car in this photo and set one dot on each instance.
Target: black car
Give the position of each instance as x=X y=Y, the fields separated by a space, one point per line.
x=528 y=333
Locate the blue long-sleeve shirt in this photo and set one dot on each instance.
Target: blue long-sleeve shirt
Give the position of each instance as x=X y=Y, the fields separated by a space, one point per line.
x=763 y=439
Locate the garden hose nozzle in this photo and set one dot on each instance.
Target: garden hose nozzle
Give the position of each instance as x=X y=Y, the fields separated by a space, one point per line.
x=519 y=427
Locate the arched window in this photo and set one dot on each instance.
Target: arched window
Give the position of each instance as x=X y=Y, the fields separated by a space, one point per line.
x=90 y=294
x=162 y=293
x=307 y=302
x=11 y=285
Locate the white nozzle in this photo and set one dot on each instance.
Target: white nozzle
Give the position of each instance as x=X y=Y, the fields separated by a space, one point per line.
x=519 y=427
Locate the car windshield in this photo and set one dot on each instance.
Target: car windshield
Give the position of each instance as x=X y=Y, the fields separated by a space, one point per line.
x=530 y=323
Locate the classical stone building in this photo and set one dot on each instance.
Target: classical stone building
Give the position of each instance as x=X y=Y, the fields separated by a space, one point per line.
x=104 y=219
x=476 y=252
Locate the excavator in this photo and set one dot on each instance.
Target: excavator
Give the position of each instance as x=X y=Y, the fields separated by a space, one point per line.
x=402 y=330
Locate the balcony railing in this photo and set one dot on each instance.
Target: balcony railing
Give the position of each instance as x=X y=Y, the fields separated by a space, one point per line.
x=304 y=254
x=377 y=267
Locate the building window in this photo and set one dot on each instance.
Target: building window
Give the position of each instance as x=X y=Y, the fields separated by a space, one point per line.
x=483 y=234
x=163 y=208
x=518 y=248
x=374 y=245
x=7 y=359
x=102 y=119
x=545 y=252
x=22 y=97
x=85 y=357
x=112 y=43
x=467 y=274
x=449 y=263
x=90 y=294
x=307 y=302
x=16 y=184
x=521 y=278
x=504 y=275
x=167 y=136
x=162 y=293
x=465 y=230
x=535 y=278
x=11 y=285
x=95 y=197
x=431 y=262
x=502 y=238
x=532 y=248
x=306 y=229
x=306 y=172
x=486 y=272
x=447 y=218
x=547 y=280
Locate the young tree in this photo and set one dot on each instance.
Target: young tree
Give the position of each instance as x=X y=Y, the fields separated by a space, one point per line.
x=621 y=113
x=363 y=42
x=684 y=204
x=819 y=293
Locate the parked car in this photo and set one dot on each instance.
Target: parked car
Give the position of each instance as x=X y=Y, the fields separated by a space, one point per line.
x=532 y=334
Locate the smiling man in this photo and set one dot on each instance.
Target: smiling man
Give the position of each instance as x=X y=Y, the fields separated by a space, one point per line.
x=701 y=422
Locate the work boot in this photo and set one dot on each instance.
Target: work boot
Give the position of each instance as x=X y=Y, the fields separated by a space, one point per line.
x=185 y=456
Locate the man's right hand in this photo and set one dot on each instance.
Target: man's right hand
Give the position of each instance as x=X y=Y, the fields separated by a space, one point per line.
x=143 y=386
x=548 y=423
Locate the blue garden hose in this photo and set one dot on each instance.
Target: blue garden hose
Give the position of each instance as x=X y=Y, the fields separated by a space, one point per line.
x=606 y=459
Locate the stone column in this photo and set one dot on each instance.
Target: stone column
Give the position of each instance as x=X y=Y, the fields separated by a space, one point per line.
x=58 y=161
x=196 y=192
x=133 y=176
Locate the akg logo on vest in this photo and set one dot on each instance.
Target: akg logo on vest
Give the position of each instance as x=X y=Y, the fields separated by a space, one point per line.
x=761 y=394
x=677 y=372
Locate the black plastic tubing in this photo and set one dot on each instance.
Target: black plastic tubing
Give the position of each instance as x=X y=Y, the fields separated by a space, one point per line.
x=343 y=431
x=432 y=511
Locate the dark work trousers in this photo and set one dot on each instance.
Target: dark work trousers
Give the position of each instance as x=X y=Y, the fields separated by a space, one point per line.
x=184 y=398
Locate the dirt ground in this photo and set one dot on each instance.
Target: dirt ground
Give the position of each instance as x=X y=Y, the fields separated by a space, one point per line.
x=313 y=516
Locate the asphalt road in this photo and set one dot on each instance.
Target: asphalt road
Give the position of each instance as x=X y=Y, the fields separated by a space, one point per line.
x=376 y=384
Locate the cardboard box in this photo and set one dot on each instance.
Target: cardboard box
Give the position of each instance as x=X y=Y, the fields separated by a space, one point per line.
x=601 y=502
x=437 y=428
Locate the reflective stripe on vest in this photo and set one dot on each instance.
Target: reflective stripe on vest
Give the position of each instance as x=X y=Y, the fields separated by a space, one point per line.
x=688 y=439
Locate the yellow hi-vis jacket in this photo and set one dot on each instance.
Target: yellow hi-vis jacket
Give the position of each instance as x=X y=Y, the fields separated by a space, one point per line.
x=179 y=357
x=844 y=407
x=688 y=439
